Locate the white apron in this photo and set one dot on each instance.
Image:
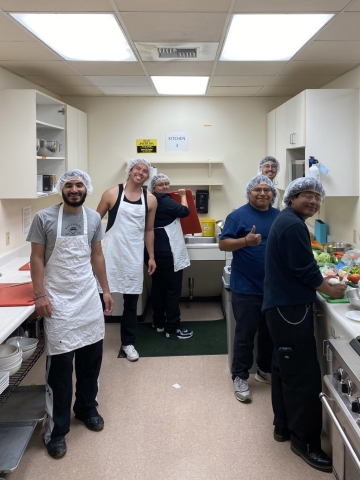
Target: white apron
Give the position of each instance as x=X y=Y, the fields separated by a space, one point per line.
x=77 y=317
x=123 y=248
x=177 y=245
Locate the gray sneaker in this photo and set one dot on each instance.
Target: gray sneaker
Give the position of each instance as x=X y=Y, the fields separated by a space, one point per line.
x=263 y=377
x=242 y=392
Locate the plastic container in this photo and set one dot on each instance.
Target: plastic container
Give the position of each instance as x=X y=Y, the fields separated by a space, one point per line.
x=208 y=227
x=314 y=172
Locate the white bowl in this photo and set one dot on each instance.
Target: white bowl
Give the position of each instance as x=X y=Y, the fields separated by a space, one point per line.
x=8 y=350
x=24 y=343
x=14 y=368
x=5 y=364
x=28 y=353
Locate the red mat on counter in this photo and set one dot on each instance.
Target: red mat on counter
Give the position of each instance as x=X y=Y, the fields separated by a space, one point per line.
x=190 y=224
x=19 y=296
x=25 y=267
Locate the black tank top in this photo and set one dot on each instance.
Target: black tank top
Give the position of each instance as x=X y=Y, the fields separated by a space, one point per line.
x=113 y=211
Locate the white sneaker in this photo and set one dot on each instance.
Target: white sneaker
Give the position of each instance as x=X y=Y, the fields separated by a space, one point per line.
x=130 y=352
x=263 y=377
x=242 y=392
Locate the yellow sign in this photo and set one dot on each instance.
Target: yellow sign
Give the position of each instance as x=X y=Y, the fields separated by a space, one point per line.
x=146 y=145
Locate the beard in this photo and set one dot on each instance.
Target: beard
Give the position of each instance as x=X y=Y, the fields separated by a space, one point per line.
x=74 y=203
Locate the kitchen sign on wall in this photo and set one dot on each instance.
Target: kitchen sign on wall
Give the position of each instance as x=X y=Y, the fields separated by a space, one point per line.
x=146 y=145
x=177 y=142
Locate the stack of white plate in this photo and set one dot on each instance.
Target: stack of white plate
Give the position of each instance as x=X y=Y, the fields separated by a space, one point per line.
x=4 y=381
x=27 y=345
x=10 y=358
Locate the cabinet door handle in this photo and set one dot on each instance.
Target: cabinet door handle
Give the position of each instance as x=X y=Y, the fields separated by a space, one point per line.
x=325 y=347
x=290 y=138
x=293 y=138
x=328 y=353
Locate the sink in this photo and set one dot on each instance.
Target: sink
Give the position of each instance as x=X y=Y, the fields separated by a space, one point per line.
x=199 y=240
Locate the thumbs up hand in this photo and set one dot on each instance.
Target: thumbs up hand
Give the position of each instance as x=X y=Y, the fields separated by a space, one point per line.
x=253 y=239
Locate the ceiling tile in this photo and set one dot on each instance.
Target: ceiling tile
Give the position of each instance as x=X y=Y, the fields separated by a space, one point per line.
x=128 y=90
x=317 y=68
x=108 y=68
x=233 y=91
x=174 y=27
x=58 y=80
x=26 y=51
x=119 y=81
x=240 y=80
x=344 y=27
x=75 y=90
x=275 y=91
x=173 y=5
x=38 y=68
x=179 y=68
x=248 y=68
x=289 y=6
x=302 y=80
x=11 y=31
x=354 y=6
x=331 y=51
x=55 y=6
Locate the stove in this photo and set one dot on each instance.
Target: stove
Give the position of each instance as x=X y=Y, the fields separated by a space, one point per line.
x=343 y=406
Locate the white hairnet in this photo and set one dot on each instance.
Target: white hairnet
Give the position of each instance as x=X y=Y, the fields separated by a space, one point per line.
x=133 y=162
x=302 y=184
x=258 y=180
x=74 y=175
x=269 y=159
x=155 y=179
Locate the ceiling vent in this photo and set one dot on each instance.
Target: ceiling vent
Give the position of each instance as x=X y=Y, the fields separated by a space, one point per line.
x=167 y=52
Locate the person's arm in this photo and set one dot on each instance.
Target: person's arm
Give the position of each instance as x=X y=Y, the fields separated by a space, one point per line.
x=107 y=201
x=99 y=269
x=183 y=199
x=334 y=291
x=149 y=232
x=252 y=239
x=37 y=267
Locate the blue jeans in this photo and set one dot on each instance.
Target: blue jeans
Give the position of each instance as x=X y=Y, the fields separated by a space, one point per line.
x=249 y=320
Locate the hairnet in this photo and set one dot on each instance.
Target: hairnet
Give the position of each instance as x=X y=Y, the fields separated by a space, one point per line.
x=269 y=159
x=259 y=179
x=154 y=181
x=302 y=184
x=133 y=162
x=74 y=175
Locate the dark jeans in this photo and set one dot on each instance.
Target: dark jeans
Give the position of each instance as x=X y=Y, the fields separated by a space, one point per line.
x=59 y=382
x=296 y=377
x=165 y=294
x=128 y=323
x=249 y=320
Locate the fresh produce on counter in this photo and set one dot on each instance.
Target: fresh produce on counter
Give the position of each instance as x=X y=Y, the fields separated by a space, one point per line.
x=354 y=275
x=317 y=245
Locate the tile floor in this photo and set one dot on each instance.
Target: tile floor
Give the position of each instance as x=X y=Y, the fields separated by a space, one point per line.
x=154 y=431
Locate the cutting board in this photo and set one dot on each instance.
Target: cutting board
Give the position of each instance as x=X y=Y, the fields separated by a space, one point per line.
x=334 y=300
x=190 y=224
x=25 y=267
x=19 y=296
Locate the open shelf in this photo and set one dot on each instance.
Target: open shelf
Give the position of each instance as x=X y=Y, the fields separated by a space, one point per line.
x=49 y=157
x=48 y=125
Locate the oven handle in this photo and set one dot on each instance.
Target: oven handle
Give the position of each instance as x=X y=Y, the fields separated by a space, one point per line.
x=340 y=430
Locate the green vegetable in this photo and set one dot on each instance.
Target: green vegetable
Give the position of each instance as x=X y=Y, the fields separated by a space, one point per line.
x=324 y=258
x=352 y=270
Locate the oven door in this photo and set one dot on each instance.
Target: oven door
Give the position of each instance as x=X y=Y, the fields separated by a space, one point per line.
x=346 y=434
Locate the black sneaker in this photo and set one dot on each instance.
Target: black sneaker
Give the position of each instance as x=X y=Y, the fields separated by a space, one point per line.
x=56 y=447
x=181 y=333
x=94 y=423
x=159 y=330
x=318 y=460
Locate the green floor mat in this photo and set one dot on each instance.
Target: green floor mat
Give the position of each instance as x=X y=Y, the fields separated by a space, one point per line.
x=209 y=339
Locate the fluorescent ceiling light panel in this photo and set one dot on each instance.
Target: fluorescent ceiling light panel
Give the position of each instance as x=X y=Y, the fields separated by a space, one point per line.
x=270 y=37
x=181 y=85
x=84 y=37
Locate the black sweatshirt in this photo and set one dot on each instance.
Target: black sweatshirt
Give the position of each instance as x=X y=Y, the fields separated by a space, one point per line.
x=291 y=272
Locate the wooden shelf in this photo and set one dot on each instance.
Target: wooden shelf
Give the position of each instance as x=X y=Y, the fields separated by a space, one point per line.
x=48 y=125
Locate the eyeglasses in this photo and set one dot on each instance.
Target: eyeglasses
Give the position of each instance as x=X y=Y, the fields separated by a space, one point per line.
x=259 y=190
x=313 y=198
x=270 y=167
x=165 y=184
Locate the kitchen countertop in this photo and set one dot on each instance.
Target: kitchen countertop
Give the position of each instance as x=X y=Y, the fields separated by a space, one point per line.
x=12 y=317
x=338 y=312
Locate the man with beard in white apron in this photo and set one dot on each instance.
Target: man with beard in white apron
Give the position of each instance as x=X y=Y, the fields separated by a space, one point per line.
x=171 y=258
x=130 y=224
x=65 y=254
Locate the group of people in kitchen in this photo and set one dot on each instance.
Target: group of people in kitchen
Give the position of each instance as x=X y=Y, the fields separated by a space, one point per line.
x=274 y=279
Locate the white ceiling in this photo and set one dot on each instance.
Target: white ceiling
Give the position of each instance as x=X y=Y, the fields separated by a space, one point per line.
x=328 y=55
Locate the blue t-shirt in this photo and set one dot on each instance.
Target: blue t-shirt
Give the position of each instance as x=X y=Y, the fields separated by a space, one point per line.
x=248 y=264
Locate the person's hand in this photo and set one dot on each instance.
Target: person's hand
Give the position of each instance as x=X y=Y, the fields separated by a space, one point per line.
x=151 y=266
x=338 y=290
x=253 y=239
x=43 y=307
x=109 y=303
x=181 y=192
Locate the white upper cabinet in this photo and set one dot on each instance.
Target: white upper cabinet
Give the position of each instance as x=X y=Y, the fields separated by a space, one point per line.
x=76 y=127
x=271 y=133
x=33 y=141
x=324 y=124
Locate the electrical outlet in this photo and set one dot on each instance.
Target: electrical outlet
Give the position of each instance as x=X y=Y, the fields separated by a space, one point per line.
x=355 y=236
x=7 y=238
